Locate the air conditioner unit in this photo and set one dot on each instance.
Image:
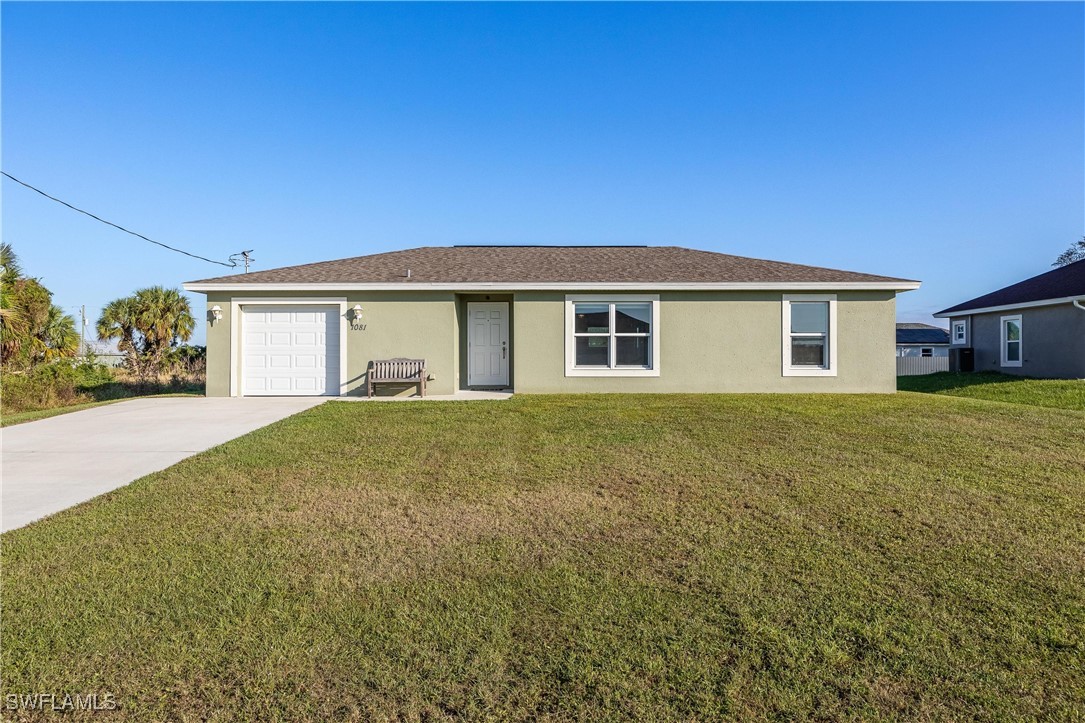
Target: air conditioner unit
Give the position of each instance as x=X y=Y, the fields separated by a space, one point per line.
x=962 y=359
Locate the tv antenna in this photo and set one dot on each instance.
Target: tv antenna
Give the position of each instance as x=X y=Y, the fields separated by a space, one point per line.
x=245 y=258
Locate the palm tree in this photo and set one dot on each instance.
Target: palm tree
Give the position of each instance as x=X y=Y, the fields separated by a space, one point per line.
x=118 y=321
x=146 y=325
x=32 y=328
x=58 y=336
x=165 y=318
x=13 y=325
x=23 y=329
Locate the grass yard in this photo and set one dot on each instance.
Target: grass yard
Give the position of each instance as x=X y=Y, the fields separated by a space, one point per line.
x=597 y=557
x=1060 y=393
x=7 y=419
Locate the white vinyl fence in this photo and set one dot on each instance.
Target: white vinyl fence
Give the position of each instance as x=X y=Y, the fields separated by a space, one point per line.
x=911 y=365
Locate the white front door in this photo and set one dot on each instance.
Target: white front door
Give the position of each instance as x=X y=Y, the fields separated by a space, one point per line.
x=289 y=350
x=488 y=344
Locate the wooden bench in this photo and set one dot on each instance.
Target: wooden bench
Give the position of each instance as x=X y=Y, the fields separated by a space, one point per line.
x=398 y=371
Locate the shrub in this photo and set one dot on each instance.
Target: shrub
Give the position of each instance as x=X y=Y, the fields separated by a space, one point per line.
x=46 y=386
x=63 y=383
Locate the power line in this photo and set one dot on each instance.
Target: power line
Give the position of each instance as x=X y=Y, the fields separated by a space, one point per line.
x=230 y=265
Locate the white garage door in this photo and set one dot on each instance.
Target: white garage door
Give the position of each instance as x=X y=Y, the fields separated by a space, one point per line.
x=290 y=350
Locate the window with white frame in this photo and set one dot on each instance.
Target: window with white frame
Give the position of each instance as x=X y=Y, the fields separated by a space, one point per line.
x=1011 y=341
x=809 y=339
x=960 y=332
x=926 y=351
x=612 y=336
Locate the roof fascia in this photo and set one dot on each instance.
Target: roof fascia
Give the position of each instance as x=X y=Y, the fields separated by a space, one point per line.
x=604 y=286
x=1007 y=307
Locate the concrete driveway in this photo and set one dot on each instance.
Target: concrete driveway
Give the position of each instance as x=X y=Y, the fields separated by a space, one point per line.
x=54 y=463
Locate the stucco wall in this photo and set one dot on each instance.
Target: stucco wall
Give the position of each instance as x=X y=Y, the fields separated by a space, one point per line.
x=1053 y=341
x=715 y=342
x=409 y=324
x=218 y=347
x=709 y=342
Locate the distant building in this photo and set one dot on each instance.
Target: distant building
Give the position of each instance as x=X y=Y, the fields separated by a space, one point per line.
x=1034 y=328
x=102 y=353
x=922 y=340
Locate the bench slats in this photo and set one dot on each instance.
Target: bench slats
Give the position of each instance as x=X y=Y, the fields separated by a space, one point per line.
x=400 y=371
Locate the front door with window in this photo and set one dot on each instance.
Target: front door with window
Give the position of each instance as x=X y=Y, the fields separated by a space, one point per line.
x=488 y=344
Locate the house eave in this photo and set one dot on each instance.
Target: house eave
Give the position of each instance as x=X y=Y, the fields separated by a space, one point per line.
x=1006 y=307
x=550 y=286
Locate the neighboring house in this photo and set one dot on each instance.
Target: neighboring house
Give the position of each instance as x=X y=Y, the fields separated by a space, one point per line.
x=922 y=340
x=1034 y=328
x=921 y=349
x=106 y=354
x=539 y=319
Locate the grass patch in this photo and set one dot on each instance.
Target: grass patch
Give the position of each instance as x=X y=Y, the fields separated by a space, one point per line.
x=60 y=387
x=1060 y=393
x=651 y=557
x=6 y=420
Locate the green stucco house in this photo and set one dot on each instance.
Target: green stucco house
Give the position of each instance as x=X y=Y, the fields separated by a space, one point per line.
x=550 y=319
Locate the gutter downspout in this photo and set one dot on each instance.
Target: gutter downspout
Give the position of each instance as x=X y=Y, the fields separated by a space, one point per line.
x=1078 y=304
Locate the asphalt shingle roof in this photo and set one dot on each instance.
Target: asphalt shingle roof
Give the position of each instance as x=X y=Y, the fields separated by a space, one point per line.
x=1058 y=283
x=909 y=333
x=548 y=264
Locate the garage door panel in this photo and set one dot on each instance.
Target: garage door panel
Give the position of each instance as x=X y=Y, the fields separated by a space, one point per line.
x=279 y=384
x=290 y=350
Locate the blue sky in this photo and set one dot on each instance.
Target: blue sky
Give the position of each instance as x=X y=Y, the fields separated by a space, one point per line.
x=942 y=142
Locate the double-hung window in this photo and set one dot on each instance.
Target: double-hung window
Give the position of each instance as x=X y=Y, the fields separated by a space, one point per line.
x=1011 y=341
x=612 y=336
x=809 y=339
x=960 y=332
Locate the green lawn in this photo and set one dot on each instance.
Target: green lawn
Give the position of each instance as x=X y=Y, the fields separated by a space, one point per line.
x=1061 y=393
x=596 y=557
x=10 y=418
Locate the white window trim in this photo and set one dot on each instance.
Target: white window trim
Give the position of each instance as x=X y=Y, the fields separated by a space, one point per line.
x=1002 y=347
x=805 y=371
x=953 y=333
x=571 y=370
x=236 y=364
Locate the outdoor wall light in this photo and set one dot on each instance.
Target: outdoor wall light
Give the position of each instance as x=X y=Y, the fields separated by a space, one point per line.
x=357 y=312
x=216 y=313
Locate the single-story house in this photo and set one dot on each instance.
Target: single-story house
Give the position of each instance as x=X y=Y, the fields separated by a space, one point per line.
x=553 y=319
x=1034 y=328
x=922 y=340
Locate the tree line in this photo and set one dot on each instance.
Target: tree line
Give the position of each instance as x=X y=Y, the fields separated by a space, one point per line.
x=149 y=327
